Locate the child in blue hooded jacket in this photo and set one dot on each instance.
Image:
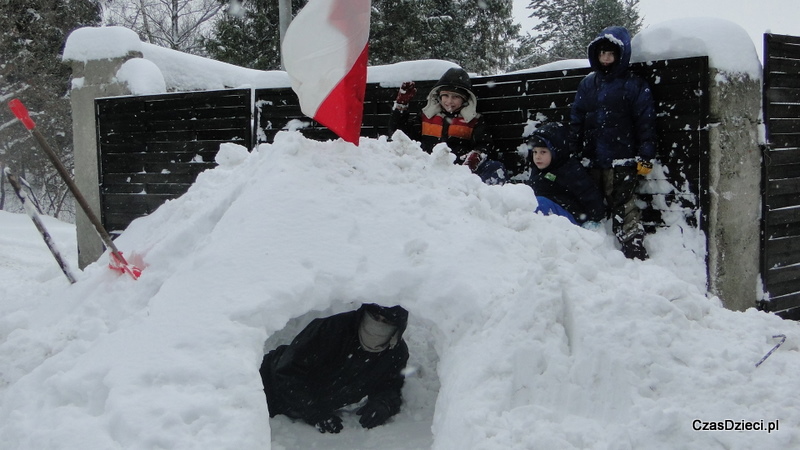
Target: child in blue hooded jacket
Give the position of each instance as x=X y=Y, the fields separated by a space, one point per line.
x=561 y=184
x=612 y=126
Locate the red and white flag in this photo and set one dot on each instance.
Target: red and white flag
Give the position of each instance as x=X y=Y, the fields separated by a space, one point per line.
x=325 y=54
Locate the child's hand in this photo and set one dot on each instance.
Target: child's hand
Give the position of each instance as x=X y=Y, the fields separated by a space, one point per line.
x=644 y=167
x=405 y=94
x=472 y=159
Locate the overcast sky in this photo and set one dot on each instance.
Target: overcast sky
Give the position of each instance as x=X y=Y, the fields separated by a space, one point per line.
x=756 y=17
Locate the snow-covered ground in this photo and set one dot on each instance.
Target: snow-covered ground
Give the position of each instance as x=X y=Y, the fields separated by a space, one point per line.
x=525 y=331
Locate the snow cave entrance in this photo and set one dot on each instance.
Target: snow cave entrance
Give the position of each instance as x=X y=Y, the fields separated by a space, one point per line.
x=409 y=429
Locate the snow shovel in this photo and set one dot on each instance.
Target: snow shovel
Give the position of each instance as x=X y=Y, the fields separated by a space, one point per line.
x=34 y=215
x=118 y=261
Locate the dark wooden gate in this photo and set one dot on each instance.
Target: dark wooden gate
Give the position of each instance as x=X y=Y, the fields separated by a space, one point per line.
x=780 y=255
x=151 y=148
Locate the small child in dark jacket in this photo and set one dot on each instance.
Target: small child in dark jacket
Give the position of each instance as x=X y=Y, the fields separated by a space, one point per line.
x=450 y=116
x=613 y=127
x=561 y=184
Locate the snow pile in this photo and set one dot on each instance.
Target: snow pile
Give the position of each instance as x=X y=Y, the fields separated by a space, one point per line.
x=87 y=44
x=184 y=72
x=527 y=332
x=726 y=44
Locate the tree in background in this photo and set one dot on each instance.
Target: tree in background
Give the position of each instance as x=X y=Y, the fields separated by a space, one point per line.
x=32 y=38
x=477 y=34
x=567 y=27
x=248 y=35
x=177 y=24
x=492 y=33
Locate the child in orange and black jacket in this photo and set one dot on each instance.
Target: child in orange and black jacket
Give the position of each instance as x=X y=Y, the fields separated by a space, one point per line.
x=450 y=116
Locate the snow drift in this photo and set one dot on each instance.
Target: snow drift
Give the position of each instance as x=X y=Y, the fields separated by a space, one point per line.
x=527 y=332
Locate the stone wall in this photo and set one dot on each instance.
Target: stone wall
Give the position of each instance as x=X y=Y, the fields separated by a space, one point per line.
x=734 y=241
x=91 y=80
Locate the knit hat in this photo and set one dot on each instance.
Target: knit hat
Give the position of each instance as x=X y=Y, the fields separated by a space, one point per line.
x=396 y=315
x=537 y=141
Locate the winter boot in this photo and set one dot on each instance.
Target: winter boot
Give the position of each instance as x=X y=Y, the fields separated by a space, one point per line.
x=634 y=249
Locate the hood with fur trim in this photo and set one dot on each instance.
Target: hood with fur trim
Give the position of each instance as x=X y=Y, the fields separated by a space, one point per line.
x=457 y=79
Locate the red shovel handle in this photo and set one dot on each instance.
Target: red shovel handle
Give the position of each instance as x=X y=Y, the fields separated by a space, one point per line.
x=21 y=112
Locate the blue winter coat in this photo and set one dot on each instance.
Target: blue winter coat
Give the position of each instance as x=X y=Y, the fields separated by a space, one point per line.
x=612 y=121
x=565 y=181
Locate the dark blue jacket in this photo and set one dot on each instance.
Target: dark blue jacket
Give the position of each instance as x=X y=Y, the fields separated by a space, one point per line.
x=565 y=181
x=612 y=121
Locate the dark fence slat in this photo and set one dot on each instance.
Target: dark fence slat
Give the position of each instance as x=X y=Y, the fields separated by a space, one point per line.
x=151 y=148
x=784 y=65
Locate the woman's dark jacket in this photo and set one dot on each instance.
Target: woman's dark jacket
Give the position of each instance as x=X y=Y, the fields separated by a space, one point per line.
x=565 y=181
x=463 y=131
x=612 y=121
x=325 y=368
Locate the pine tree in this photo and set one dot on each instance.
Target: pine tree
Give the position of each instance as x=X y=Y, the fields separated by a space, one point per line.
x=31 y=43
x=491 y=34
x=477 y=34
x=250 y=38
x=568 y=26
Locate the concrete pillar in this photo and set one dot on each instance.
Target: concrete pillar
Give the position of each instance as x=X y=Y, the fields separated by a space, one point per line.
x=91 y=80
x=734 y=214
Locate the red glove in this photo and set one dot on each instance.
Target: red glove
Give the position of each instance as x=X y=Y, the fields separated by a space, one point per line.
x=472 y=159
x=404 y=96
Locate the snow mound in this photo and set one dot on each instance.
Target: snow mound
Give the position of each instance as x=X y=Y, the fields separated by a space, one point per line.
x=544 y=335
x=727 y=44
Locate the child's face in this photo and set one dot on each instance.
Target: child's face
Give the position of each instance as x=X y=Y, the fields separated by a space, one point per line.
x=450 y=101
x=606 y=58
x=542 y=157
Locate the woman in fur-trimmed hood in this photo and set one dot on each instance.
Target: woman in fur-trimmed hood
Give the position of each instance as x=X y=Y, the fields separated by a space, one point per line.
x=450 y=116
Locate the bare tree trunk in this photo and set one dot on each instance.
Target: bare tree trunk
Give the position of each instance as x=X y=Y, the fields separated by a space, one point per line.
x=175 y=36
x=145 y=22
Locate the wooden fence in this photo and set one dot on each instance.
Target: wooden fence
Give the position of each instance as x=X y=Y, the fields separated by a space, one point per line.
x=780 y=256
x=151 y=148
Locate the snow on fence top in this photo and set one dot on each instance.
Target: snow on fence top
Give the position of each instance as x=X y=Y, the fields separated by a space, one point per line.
x=728 y=46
